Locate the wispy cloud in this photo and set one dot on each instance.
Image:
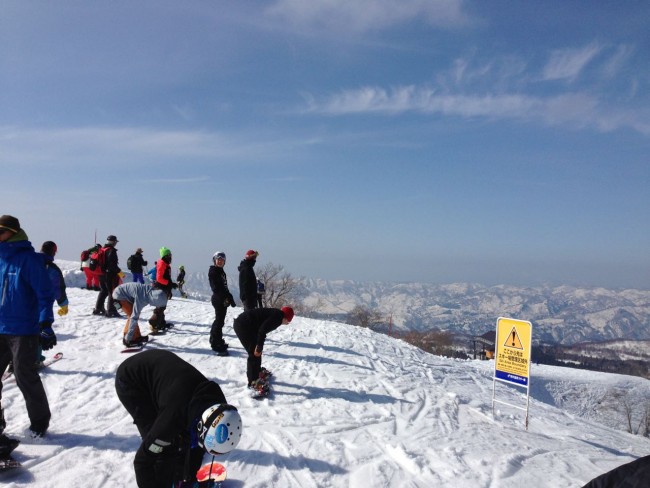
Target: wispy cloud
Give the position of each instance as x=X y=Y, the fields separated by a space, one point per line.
x=125 y=146
x=567 y=64
x=366 y=15
x=617 y=61
x=573 y=109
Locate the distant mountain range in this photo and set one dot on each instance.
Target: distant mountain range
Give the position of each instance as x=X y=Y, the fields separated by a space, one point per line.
x=560 y=314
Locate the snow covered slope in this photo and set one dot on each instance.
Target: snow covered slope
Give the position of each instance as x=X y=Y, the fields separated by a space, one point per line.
x=351 y=408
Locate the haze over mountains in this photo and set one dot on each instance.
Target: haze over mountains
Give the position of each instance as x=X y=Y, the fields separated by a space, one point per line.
x=560 y=314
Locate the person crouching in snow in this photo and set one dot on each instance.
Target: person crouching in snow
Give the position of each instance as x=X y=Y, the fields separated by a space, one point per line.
x=251 y=327
x=180 y=415
x=133 y=297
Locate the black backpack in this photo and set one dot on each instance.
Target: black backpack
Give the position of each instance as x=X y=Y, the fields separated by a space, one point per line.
x=129 y=262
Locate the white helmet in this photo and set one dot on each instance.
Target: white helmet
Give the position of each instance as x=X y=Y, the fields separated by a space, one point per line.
x=219 y=429
x=219 y=254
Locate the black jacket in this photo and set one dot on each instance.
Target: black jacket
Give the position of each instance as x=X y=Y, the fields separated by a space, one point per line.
x=170 y=396
x=247 y=282
x=635 y=474
x=221 y=296
x=253 y=325
x=111 y=265
x=137 y=263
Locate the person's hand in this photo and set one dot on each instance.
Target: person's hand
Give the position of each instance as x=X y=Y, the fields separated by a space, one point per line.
x=47 y=338
x=257 y=353
x=63 y=310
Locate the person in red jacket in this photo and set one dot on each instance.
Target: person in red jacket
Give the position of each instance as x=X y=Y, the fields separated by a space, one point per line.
x=163 y=282
x=108 y=279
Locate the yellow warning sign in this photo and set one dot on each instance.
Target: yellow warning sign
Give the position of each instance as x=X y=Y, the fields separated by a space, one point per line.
x=512 y=361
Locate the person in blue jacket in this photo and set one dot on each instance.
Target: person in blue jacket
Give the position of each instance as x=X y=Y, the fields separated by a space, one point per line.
x=48 y=251
x=26 y=298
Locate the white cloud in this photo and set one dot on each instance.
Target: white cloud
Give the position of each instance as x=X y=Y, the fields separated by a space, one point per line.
x=567 y=64
x=366 y=15
x=574 y=109
x=616 y=62
x=125 y=146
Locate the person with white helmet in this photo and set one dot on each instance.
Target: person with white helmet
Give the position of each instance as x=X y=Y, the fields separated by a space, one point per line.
x=221 y=299
x=179 y=413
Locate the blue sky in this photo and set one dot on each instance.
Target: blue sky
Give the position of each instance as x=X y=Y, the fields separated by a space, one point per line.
x=394 y=140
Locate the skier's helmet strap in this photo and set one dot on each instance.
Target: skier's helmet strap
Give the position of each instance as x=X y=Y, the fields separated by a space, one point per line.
x=219 y=429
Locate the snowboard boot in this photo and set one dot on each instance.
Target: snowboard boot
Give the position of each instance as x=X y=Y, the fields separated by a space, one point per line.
x=135 y=342
x=7 y=445
x=265 y=374
x=260 y=388
x=99 y=312
x=114 y=314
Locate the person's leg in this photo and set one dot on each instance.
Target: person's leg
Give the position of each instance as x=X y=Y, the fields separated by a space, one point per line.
x=89 y=278
x=5 y=359
x=131 y=330
x=29 y=382
x=101 y=298
x=216 y=332
x=111 y=284
x=253 y=364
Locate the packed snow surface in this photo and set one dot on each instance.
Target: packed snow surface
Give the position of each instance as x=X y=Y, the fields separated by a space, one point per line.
x=349 y=408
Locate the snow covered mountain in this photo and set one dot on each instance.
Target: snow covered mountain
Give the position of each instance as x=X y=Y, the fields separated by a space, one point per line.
x=350 y=408
x=561 y=314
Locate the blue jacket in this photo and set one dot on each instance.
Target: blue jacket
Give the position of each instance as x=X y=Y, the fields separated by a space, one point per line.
x=26 y=294
x=57 y=280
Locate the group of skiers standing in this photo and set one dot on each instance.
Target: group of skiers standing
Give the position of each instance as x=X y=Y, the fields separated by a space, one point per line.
x=179 y=413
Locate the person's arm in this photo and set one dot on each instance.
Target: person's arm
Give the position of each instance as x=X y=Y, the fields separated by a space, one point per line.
x=40 y=282
x=154 y=461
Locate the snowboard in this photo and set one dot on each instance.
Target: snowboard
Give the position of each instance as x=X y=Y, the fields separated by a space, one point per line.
x=8 y=375
x=214 y=473
x=139 y=347
x=263 y=390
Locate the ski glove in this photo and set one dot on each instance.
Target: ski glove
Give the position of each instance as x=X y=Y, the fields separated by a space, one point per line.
x=48 y=339
x=63 y=310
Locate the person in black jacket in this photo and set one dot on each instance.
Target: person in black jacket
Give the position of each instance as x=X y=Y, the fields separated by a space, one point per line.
x=137 y=265
x=635 y=474
x=251 y=327
x=179 y=413
x=248 y=281
x=180 y=281
x=221 y=298
x=109 y=279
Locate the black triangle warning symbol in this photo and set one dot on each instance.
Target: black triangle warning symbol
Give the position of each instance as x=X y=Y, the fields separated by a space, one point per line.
x=513 y=340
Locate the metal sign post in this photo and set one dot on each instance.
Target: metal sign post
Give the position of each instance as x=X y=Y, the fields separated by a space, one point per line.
x=512 y=358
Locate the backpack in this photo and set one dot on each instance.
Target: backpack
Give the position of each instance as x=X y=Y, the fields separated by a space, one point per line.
x=129 y=262
x=97 y=259
x=85 y=255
